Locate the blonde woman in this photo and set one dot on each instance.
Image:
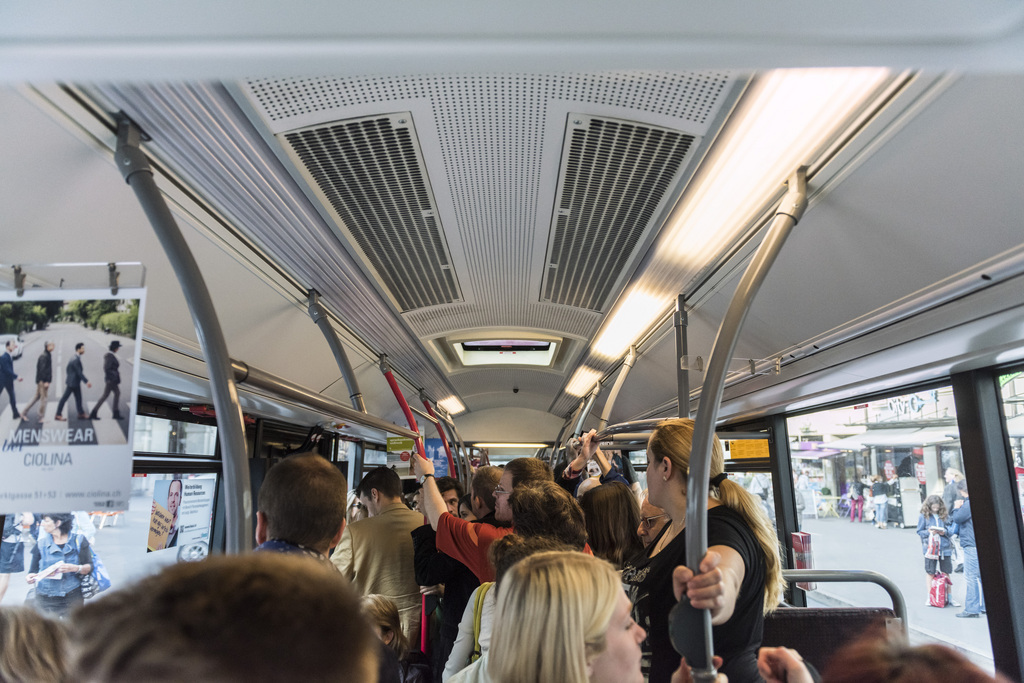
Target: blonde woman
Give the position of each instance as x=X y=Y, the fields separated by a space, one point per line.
x=563 y=616
x=741 y=541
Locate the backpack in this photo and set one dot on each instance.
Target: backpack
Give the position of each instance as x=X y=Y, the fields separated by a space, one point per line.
x=478 y=611
x=939 y=596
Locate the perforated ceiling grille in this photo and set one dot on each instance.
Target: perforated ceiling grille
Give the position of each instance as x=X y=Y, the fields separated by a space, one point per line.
x=690 y=95
x=614 y=177
x=371 y=173
x=493 y=157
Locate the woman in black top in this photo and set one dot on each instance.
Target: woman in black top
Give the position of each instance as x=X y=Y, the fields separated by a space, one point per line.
x=739 y=533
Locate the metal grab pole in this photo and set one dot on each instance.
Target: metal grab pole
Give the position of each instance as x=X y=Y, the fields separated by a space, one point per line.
x=319 y=315
x=440 y=430
x=786 y=216
x=135 y=168
x=682 y=321
x=613 y=395
x=403 y=404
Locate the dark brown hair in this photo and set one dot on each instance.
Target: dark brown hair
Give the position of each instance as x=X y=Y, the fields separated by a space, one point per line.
x=509 y=549
x=546 y=509
x=528 y=470
x=384 y=479
x=225 y=619
x=612 y=516
x=875 y=659
x=484 y=481
x=926 y=509
x=303 y=498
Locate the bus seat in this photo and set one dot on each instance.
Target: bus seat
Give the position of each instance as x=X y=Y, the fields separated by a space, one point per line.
x=817 y=632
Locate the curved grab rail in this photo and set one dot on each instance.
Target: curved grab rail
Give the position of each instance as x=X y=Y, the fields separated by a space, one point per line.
x=786 y=216
x=403 y=404
x=899 y=605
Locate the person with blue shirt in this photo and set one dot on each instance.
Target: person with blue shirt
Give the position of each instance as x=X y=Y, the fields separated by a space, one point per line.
x=975 y=602
x=59 y=561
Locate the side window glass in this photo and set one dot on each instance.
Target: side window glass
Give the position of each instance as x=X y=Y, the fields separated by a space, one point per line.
x=876 y=489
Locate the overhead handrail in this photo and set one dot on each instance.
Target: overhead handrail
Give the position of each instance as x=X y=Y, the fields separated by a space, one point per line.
x=587 y=407
x=613 y=395
x=786 y=216
x=385 y=368
x=320 y=316
x=457 y=472
x=899 y=605
x=246 y=374
x=135 y=168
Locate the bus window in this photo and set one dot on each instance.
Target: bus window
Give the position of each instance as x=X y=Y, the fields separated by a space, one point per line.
x=862 y=475
x=158 y=435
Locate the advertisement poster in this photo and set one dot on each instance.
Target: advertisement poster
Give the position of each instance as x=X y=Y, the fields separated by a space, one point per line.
x=437 y=455
x=182 y=515
x=69 y=374
x=400 y=450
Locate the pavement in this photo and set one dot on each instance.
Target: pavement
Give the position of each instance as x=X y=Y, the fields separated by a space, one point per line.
x=839 y=544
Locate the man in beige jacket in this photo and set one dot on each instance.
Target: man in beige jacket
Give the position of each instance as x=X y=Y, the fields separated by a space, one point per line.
x=376 y=553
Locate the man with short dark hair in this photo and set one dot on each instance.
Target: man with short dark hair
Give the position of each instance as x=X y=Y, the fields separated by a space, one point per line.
x=44 y=375
x=467 y=542
x=301 y=507
x=376 y=553
x=233 y=619
x=434 y=567
x=73 y=384
x=485 y=480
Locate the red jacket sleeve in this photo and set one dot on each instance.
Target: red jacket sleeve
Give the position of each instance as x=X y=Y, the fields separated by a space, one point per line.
x=468 y=543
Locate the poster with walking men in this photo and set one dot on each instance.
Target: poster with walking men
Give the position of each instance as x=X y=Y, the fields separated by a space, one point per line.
x=68 y=379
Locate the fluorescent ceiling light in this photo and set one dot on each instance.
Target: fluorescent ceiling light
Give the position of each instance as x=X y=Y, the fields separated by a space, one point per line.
x=786 y=119
x=531 y=446
x=452 y=405
x=634 y=315
x=583 y=380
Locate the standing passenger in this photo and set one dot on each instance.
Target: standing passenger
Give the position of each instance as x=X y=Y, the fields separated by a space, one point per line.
x=376 y=554
x=652 y=520
x=739 y=536
x=468 y=542
x=301 y=507
x=73 y=384
x=111 y=380
x=44 y=375
x=231 y=619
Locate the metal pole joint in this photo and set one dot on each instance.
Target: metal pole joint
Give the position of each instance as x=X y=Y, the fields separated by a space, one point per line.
x=129 y=157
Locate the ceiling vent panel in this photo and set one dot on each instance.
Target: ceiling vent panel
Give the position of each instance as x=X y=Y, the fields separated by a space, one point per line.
x=370 y=172
x=614 y=179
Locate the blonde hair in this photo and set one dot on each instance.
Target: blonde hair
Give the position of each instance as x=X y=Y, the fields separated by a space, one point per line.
x=673 y=439
x=33 y=648
x=382 y=611
x=567 y=600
